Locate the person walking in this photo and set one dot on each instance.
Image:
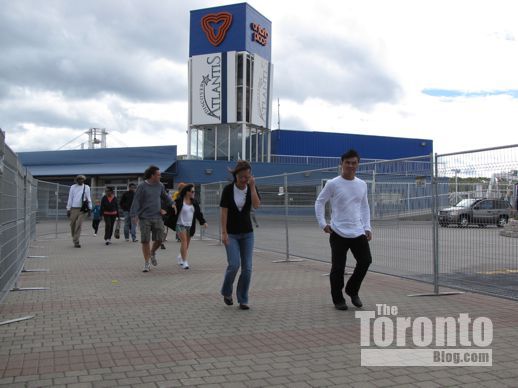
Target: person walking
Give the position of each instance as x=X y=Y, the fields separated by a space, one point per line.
x=110 y=212
x=237 y=234
x=125 y=203
x=186 y=212
x=175 y=197
x=79 y=203
x=147 y=211
x=350 y=228
x=96 y=216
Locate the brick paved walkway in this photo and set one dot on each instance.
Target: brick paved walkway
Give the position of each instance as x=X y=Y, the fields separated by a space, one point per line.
x=104 y=323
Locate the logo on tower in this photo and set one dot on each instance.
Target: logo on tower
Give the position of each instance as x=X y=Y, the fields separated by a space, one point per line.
x=215 y=26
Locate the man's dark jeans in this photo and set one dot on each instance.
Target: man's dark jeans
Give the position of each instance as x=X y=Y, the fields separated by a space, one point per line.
x=359 y=246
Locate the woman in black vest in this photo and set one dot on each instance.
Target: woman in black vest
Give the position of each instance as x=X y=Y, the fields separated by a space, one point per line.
x=237 y=232
x=186 y=212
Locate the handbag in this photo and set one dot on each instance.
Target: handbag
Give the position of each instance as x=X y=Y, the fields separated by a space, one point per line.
x=117 y=232
x=84 y=203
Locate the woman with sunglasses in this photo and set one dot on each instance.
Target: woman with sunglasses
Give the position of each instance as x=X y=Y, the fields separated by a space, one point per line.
x=186 y=212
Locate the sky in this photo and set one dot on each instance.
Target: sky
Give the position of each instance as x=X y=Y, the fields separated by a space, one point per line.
x=440 y=70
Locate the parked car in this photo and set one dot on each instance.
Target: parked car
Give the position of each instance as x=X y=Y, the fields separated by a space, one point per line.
x=480 y=211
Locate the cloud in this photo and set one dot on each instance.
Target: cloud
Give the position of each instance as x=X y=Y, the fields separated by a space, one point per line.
x=333 y=61
x=88 y=49
x=355 y=67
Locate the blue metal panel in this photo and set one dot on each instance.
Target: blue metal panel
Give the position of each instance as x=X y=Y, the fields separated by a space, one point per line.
x=329 y=144
x=258 y=26
x=238 y=37
x=196 y=171
x=129 y=160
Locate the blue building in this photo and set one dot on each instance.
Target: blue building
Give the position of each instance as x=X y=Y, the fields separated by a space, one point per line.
x=292 y=151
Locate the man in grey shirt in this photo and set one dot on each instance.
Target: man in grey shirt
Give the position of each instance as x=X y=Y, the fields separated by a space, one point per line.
x=147 y=210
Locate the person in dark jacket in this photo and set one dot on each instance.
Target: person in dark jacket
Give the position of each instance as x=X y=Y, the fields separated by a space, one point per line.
x=237 y=233
x=110 y=212
x=185 y=213
x=125 y=204
x=96 y=216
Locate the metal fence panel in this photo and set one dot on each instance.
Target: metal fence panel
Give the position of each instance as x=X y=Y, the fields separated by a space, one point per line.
x=402 y=197
x=15 y=217
x=474 y=254
x=409 y=198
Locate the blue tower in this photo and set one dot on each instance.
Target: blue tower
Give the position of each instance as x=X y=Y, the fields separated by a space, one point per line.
x=230 y=84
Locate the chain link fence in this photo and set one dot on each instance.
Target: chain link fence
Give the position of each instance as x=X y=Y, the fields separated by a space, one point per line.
x=476 y=207
x=406 y=197
x=18 y=203
x=446 y=219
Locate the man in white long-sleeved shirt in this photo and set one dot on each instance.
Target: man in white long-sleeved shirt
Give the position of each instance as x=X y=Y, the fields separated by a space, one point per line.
x=78 y=193
x=349 y=229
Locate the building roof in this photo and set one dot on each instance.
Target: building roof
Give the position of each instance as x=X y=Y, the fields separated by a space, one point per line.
x=101 y=161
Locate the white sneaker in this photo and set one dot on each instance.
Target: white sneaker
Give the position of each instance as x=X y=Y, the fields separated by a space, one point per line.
x=185 y=265
x=179 y=259
x=95 y=234
x=147 y=267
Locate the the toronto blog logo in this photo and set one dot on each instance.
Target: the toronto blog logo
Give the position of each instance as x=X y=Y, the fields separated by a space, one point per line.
x=387 y=339
x=215 y=26
x=210 y=88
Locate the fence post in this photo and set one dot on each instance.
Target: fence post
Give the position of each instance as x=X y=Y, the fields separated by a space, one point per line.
x=435 y=230
x=220 y=190
x=202 y=199
x=286 y=227
x=286 y=204
x=435 y=234
x=57 y=205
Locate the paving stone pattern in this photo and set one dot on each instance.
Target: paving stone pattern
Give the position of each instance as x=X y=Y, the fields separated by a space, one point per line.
x=104 y=323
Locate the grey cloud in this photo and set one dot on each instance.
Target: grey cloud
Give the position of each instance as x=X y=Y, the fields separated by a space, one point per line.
x=88 y=48
x=335 y=70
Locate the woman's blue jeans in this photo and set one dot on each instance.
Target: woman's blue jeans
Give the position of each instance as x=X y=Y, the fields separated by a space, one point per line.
x=239 y=253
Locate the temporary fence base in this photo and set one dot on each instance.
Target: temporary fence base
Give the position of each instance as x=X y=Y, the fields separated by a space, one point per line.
x=328 y=274
x=288 y=261
x=439 y=294
x=35 y=270
x=16 y=320
x=29 y=288
x=37 y=257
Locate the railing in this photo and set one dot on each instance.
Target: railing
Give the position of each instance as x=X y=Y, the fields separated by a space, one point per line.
x=315 y=161
x=18 y=203
x=402 y=196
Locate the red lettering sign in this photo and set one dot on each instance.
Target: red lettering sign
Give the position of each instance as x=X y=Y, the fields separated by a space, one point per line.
x=209 y=25
x=259 y=34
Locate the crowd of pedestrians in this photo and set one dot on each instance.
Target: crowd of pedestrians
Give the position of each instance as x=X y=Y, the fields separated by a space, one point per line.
x=150 y=207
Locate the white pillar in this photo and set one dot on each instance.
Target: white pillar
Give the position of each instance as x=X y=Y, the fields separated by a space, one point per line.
x=189 y=143
x=243 y=141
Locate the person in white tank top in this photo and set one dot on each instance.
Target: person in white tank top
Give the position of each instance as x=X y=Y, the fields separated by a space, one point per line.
x=187 y=211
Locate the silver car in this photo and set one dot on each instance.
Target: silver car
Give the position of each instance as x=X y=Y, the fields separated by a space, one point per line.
x=481 y=211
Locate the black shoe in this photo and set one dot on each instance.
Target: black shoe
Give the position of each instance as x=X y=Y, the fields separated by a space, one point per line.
x=162 y=246
x=355 y=300
x=228 y=300
x=341 y=306
x=244 y=307
x=77 y=245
